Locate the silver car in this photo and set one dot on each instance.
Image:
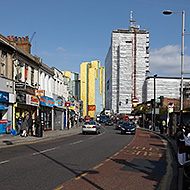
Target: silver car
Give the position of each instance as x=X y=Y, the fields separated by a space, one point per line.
x=90 y=127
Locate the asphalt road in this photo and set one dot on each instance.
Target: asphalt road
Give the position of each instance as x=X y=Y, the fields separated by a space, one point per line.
x=49 y=164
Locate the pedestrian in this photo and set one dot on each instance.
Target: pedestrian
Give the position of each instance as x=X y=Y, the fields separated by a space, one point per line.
x=186 y=135
x=68 y=123
x=19 y=122
x=181 y=154
x=150 y=124
x=37 y=125
x=30 y=124
x=24 y=127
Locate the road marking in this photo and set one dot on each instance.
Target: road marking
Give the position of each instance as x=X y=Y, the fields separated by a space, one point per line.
x=79 y=177
x=59 y=188
x=98 y=166
x=5 y=161
x=77 y=142
x=43 y=151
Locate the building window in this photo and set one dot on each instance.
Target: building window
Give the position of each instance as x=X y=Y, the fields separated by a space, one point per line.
x=32 y=76
x=26 y=72
x=3 y=63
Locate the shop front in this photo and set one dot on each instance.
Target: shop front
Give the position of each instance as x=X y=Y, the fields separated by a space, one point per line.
x=46 y=106
x=4 y=106
x=59 y=111
x=25 y=103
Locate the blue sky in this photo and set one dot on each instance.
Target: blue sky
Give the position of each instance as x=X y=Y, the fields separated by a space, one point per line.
x=69 y=32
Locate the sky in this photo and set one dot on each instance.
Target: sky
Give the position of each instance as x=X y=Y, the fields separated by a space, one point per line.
x=69 y=32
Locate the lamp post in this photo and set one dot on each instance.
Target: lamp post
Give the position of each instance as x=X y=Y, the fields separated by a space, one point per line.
x=168 y=12
x=154 y=114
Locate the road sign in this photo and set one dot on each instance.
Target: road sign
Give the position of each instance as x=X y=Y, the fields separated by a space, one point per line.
x=135 y=100
x=67 y=104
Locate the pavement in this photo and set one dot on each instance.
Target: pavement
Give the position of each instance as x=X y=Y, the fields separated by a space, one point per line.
x=8 y=140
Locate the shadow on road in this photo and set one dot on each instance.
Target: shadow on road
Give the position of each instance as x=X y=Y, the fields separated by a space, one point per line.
x=77 y=174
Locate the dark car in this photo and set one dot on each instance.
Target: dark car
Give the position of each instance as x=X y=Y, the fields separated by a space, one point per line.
x=109 y=122
x=118 y=125
x=128 y=128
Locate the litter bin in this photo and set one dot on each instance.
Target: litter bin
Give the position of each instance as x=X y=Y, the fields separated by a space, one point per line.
x=186 y=175
x=3 y=126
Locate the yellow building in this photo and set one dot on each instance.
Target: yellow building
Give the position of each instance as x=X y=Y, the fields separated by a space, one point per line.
x=92 y=91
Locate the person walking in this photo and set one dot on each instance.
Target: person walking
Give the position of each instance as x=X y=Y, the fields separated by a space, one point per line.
x=37 y=125
x=181 y=155
x=19 y=122
x=24 y=127
x=30 y=124
x=186 y=136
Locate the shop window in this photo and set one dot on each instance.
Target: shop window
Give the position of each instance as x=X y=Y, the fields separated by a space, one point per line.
x=3 y=63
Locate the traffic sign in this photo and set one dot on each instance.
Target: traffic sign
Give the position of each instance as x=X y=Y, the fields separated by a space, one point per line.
x=135 y=100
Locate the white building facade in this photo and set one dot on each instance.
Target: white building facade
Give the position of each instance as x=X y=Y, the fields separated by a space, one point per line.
x=169 y=87
x=126 y=67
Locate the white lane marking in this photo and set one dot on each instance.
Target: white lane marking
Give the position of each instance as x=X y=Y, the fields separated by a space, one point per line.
x=43 y=151
x=76 y=142
x=5 y=161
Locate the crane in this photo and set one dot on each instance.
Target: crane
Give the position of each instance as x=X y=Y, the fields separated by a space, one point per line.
x=32 y=37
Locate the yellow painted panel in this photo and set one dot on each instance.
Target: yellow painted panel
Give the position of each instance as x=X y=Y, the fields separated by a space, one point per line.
x=84 y=83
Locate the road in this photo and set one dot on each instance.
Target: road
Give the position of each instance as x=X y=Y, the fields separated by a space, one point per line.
x=50 y=164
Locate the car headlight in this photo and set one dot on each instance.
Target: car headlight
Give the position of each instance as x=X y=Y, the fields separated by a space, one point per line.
x=122 y=128
x=132 y=129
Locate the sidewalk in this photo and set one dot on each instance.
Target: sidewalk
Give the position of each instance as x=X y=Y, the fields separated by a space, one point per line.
x=173 y=146
x=7 y=140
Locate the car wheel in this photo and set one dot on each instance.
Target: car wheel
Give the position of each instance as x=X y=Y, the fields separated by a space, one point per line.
x=83 y=133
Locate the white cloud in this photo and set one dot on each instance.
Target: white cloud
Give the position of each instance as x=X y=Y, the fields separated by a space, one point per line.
x=46 y=53
x=61 y=49
x=167 y=61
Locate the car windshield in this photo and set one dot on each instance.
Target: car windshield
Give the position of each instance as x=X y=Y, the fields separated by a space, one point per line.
x=128 y=124
x=90 y=123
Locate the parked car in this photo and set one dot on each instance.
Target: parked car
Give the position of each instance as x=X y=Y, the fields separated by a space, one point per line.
x=128 y=128
x=118 y=125
x=90 y=127
x=109 y=122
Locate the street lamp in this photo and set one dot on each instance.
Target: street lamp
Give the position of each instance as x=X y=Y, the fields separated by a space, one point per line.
x=154 y=114
x=168 y=12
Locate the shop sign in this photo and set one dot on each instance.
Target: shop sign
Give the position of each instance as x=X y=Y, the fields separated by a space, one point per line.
x=92 y=108
x=67 y=104
x=4 y=97
x=3 y=106
x=46 y=101
x=32 y=100
x=71 y=107
x=58 y=103
x=39 y=92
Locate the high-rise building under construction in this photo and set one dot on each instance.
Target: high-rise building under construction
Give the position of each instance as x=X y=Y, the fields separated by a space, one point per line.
x=126 y=67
